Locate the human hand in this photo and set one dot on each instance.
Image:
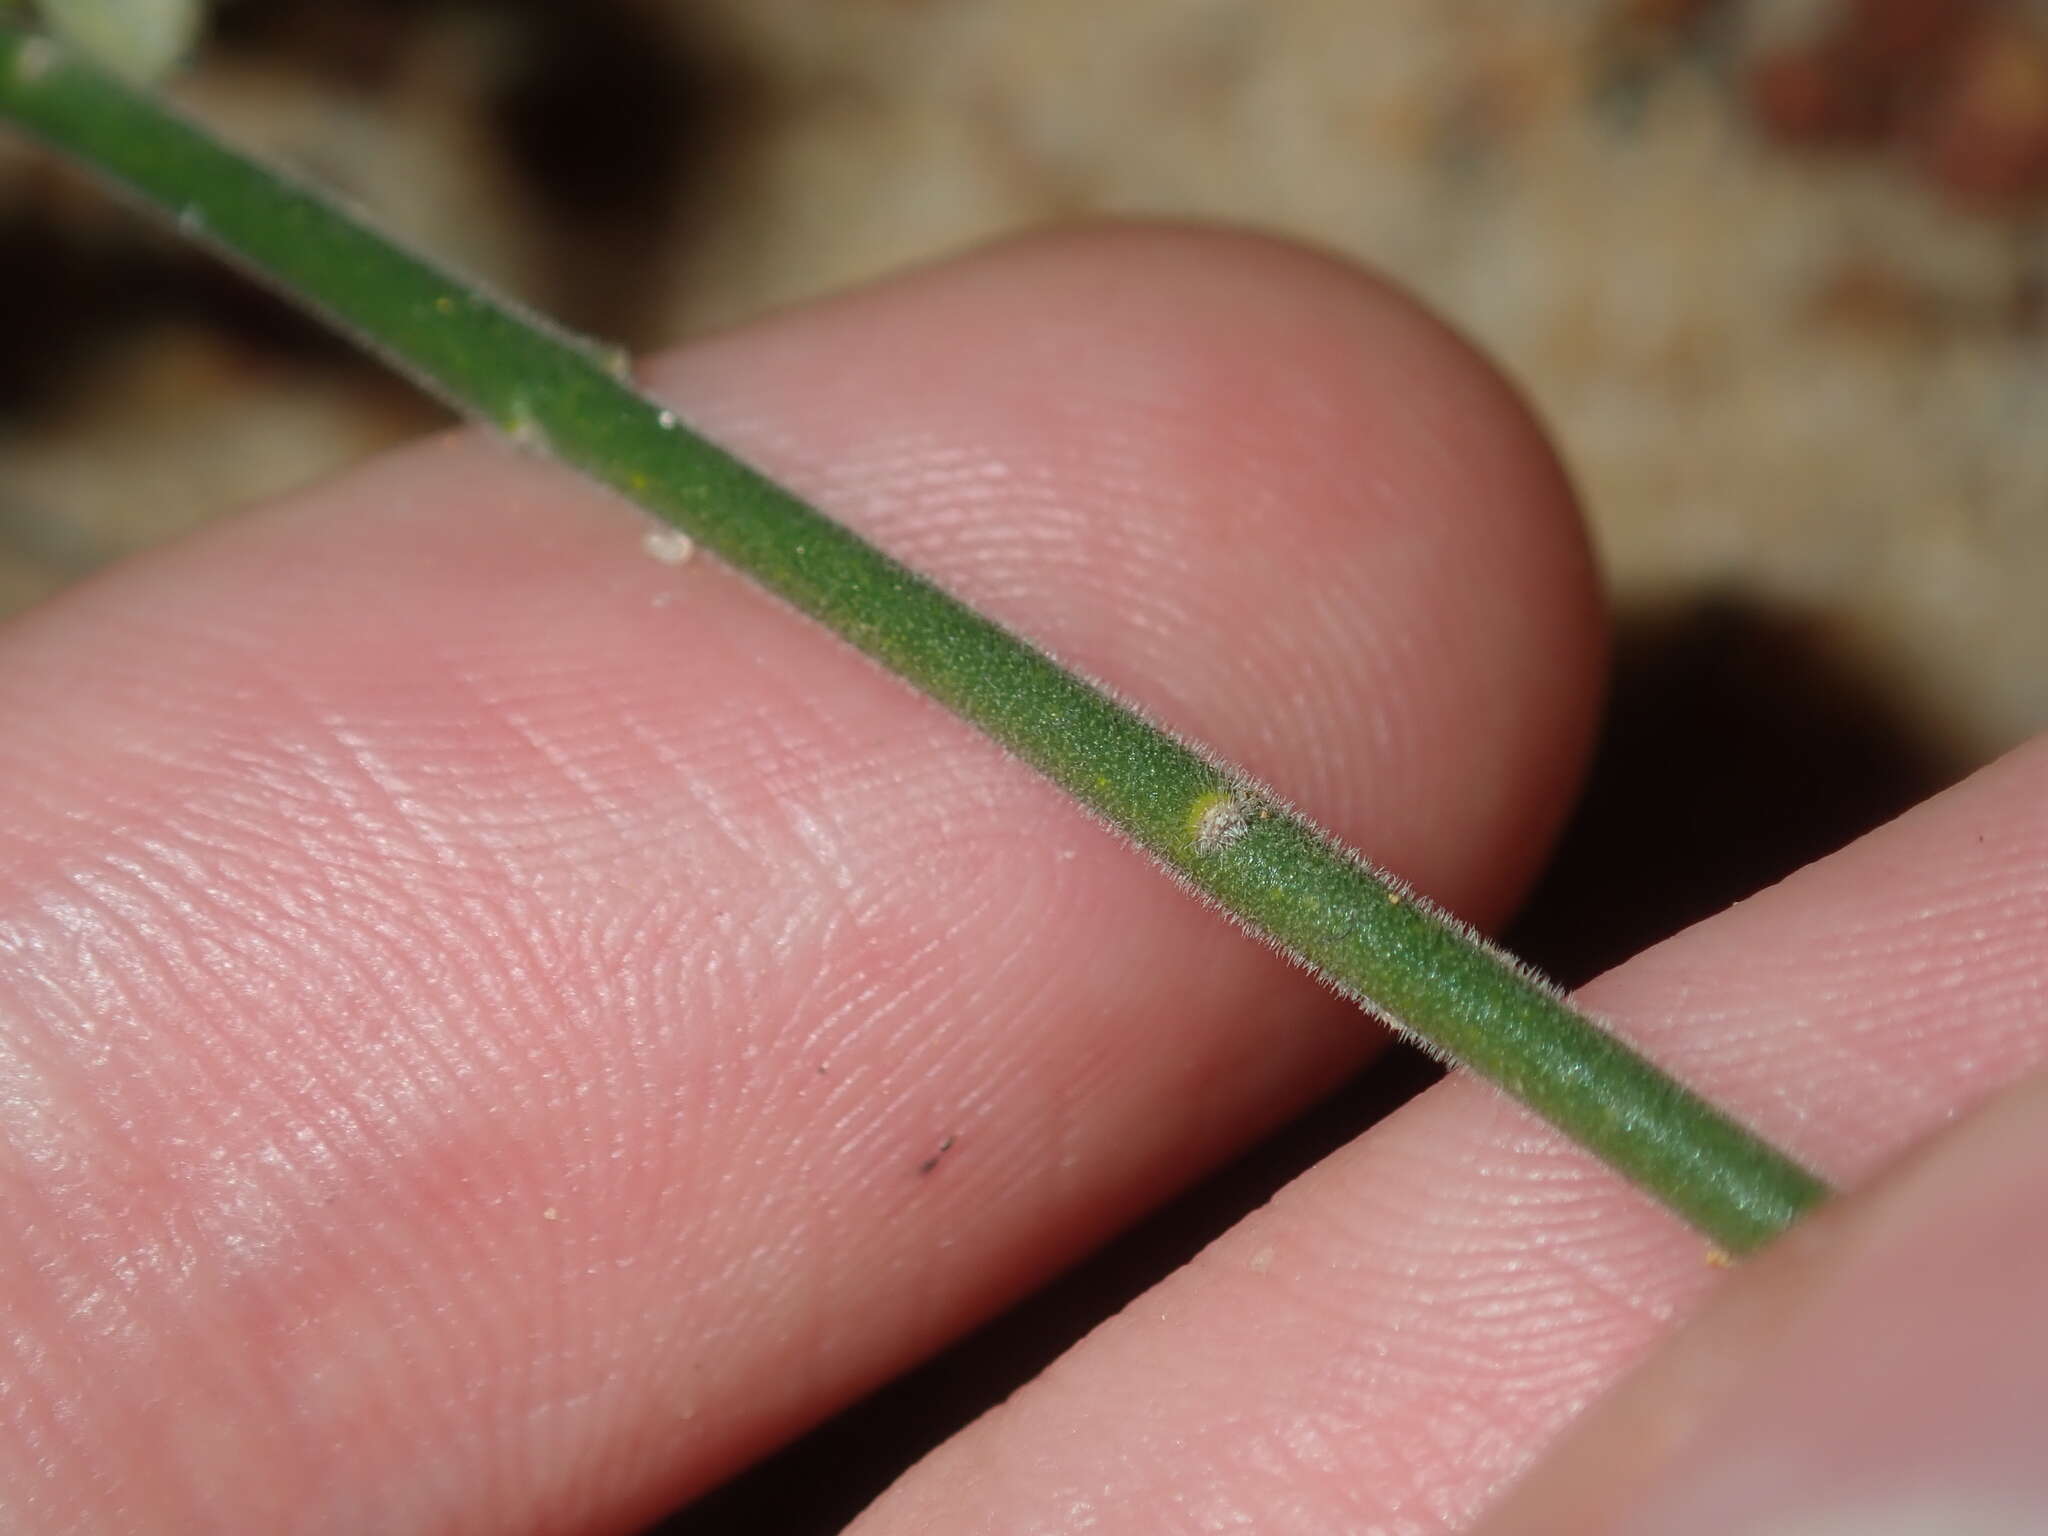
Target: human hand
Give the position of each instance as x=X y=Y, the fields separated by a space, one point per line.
x=480 y=1011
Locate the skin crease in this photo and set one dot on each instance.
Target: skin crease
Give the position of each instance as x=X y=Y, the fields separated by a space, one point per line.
x=477 y=1002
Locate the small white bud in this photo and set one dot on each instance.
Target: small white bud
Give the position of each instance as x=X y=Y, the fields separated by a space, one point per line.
x=141 y=39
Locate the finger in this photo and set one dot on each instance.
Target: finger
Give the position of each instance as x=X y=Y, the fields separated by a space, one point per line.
x=511 y=1030
x=1881 y=1371
x=1885 y=1369
x=1400 y=1331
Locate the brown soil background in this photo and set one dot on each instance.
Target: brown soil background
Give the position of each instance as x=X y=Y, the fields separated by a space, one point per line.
x=1774 y=271
x=1795 y=363
x=1775 y=274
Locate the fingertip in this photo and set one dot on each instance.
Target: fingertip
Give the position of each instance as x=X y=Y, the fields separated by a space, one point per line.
x=1190 y=428
x=1879 y=1368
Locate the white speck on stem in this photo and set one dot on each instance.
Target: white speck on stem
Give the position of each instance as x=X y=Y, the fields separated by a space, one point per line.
x=1221 y=823
x=671 y=546
x=524 y=429
x=666 y=421
x=191 y=219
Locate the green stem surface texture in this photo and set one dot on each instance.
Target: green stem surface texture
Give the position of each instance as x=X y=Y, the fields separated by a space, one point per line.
x=1395 y=953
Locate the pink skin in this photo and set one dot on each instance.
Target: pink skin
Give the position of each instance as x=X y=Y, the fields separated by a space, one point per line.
x=1387 y=1344
x=476 y=1002
x=1880 y=1373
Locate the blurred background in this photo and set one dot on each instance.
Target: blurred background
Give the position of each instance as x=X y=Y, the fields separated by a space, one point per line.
x=1774 y=272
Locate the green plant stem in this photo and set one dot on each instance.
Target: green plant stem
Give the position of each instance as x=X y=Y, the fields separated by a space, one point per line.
x=1395 y=953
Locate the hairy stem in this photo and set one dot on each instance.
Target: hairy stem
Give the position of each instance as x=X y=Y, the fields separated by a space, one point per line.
x=1399 y=956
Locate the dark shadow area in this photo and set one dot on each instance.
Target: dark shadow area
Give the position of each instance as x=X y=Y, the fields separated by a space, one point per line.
x=620 y=132
x=99 y=275
x=96 y=275
x=357 y=44
x=614 y=121
x=1741 y=743
x=101 y=282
